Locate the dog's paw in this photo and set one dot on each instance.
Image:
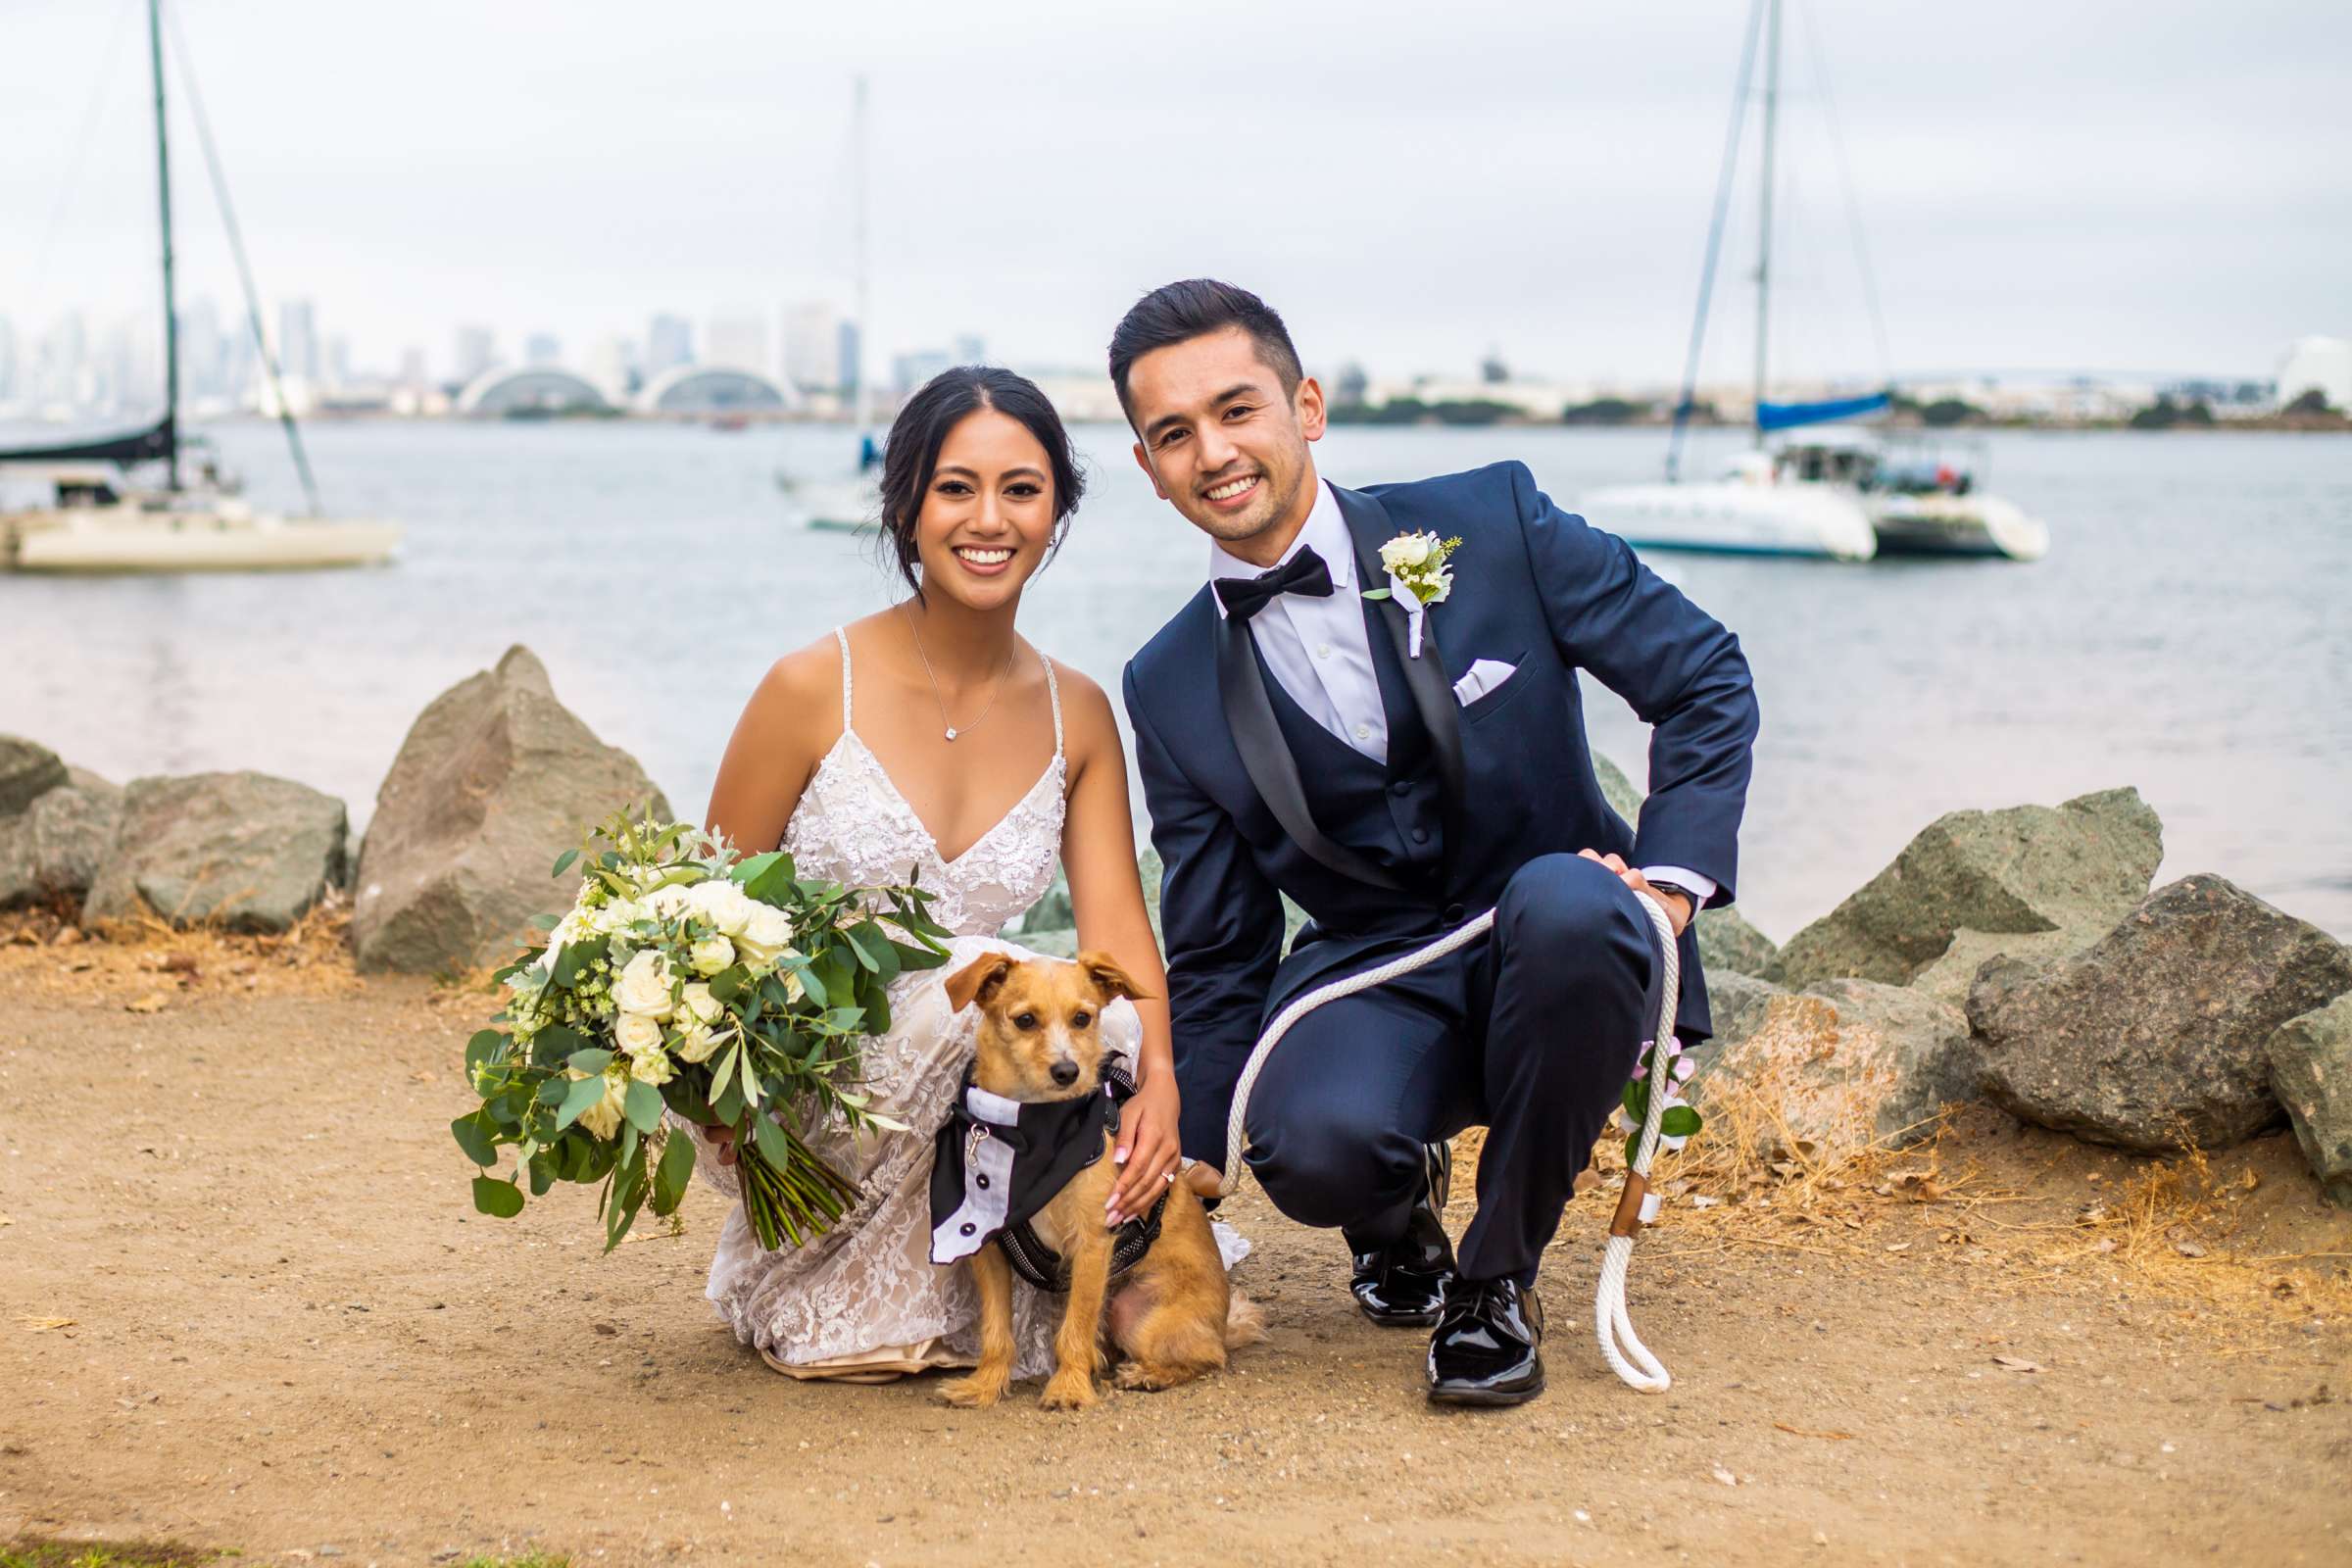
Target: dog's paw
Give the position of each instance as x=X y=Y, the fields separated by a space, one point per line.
x=975 y=1392
x=1070 y=1391
x=1152 y=1379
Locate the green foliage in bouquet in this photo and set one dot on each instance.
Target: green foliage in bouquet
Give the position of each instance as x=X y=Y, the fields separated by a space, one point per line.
x=689 y=977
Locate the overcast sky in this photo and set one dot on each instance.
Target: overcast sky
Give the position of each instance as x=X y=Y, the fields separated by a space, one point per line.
x=2061 y=183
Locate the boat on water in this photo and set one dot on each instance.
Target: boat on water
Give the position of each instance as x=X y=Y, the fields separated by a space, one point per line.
x=102 y=514
x=1847 y=497
x=846 y=502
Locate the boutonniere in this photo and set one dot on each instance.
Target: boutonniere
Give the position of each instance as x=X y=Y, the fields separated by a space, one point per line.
x=1418 y=577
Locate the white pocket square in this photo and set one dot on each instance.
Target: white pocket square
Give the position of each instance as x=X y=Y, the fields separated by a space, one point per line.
x=1485 y=675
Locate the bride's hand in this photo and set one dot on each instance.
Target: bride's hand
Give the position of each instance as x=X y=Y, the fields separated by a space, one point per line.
x=1147 y=1151
x=722 y=1142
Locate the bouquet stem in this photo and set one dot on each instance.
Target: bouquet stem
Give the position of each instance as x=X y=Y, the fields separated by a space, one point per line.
x=797 y=1200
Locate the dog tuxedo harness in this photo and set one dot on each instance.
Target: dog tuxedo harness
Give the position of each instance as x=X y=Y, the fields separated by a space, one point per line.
x=997 y=1162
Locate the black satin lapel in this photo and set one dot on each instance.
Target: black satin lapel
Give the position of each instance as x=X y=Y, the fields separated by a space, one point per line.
x=1433 y=694
x=1257 y=736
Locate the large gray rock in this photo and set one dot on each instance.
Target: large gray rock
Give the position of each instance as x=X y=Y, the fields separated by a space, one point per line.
x=28 y=771
x=1739 y=1004
x=2311 y=1073
x=51 y=851
x=495 y=779
x=2076 y=869
x=1845 y=1065
x=244 y=850
x=2156 y=1038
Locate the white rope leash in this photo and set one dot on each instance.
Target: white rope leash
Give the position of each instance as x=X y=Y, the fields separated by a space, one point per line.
x=1627 y=1355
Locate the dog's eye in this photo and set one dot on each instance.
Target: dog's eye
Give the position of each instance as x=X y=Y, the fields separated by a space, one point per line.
x=1025 y=1020
x=1081 y=1020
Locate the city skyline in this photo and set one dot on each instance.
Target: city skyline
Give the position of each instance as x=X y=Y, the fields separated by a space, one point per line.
x=2155 y=190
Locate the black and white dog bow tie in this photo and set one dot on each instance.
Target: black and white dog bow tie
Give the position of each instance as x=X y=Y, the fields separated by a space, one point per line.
x=1304 y=573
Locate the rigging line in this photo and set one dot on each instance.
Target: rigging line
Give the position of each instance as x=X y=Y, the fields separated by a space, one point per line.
x=1706 y=278
x=1853 y=204
x=100 y=100
x=236 y=246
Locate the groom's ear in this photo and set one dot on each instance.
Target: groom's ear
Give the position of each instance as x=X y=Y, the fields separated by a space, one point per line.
x=1150 y=472
x=1308 y=404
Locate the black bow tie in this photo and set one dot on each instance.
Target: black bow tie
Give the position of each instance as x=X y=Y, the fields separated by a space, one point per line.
x=1303 y=574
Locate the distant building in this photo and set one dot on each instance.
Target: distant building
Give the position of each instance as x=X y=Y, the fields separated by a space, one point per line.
x=613 y=366
x=911 y=370
x=972 y=349
x=737 y=341
x=851 y=356
x=811 y=347
x=2317 y=364
x=338 y=361
x=543 y=348
x=668 y=342
x=476 y=352
x=1349 y=386
x=8 y=363
x=297 y=341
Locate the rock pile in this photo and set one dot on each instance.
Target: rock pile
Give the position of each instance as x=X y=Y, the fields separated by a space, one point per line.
x=56 y=824
x=243 y=851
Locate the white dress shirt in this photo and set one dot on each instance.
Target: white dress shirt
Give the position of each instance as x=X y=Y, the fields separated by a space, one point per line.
x=1321 y=652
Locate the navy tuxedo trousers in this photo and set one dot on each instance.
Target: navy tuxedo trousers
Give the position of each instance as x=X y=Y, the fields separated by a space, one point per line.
x=1532 y=1031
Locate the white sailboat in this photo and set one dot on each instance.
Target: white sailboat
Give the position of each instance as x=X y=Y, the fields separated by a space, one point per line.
x=1830 y=499
x=99 y=520
x=851 y=501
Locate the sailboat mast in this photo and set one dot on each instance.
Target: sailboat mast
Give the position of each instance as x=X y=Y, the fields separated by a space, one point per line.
x=163 y=190
x=1772 y=105
x=866 y=291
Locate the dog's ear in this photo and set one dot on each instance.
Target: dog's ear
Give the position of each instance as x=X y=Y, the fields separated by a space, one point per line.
x=1108 y=977
x=978 y=980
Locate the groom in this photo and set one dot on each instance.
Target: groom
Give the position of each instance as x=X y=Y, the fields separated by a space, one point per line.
x=1292 y=742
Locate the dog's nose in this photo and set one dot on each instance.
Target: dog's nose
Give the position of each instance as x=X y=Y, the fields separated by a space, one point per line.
x=1066 y=1073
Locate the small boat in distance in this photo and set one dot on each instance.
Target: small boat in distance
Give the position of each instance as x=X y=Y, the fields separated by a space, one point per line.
x=98 y=520
x=1832 y=498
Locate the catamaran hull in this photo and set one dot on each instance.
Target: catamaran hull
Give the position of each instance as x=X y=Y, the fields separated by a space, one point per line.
x=1736 y=518
x=1957 y=525
x=65 y=542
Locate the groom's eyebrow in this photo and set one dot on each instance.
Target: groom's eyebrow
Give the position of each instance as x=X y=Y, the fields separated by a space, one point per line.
x=1240 y=389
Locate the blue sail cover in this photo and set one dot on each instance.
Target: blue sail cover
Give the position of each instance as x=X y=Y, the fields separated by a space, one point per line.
x=1789 y=415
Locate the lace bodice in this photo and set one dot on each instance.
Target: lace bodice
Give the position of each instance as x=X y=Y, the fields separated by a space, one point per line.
x=854 y=825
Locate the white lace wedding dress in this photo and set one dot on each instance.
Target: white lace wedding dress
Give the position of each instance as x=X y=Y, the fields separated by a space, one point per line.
x=864 y=1299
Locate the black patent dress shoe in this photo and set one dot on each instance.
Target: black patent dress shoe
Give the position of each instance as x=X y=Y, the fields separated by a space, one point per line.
x=1401 y=1284
x=1485 y=1347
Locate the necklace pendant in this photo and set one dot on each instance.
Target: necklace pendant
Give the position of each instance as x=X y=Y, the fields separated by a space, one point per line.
x=951 y=733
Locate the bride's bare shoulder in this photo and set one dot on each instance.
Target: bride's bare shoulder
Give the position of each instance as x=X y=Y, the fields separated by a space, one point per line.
x=801 y=677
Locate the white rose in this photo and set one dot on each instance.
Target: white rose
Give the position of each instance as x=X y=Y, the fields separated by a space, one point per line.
x=619 y=914
x=603 y=1119
x=653 y=1067
x=699 y=1005
x=636 y=1033
x=695 y=1041
x=670 y=900
x=721 y=903
x=1405 y=551
x=712 y=955
x=766 y=934
x=644 y=986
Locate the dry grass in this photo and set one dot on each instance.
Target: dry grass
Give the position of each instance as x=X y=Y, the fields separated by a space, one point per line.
x=147 y=963
x=2172 y=1225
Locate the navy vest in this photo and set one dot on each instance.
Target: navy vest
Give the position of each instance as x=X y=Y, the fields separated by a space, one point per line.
x=1393 y=814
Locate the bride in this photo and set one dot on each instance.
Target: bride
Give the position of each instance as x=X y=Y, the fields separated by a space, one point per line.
x=929 y=743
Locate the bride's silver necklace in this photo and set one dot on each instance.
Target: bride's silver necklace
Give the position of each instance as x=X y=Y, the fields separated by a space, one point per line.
x=945 y=722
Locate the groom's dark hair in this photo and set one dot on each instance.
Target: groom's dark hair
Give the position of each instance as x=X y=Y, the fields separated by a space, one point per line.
x=1178 y=313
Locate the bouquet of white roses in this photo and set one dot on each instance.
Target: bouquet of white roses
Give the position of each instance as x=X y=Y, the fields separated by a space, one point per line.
x=689 y=977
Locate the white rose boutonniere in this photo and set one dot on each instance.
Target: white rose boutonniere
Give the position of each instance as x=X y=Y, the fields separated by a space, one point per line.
x=1418 y=577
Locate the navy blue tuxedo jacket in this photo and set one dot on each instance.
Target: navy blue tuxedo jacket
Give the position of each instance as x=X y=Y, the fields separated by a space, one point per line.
x=1534 y=587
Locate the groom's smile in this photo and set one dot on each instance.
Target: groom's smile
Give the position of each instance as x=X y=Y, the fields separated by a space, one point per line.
x=1225 y=439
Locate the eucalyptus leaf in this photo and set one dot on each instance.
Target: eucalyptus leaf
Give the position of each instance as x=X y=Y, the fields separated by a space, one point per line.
x=643 y=1106
x=564 y=862
x=594 y=1059
x=497 y=1198
x=478 y=1140
x=671 y=1176
x=583 y=1093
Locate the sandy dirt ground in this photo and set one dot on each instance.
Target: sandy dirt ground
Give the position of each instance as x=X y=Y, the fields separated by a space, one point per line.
x=245 y=1303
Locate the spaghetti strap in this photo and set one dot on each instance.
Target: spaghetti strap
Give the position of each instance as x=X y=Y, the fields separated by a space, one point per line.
x=843 y=638
x=1052 y=694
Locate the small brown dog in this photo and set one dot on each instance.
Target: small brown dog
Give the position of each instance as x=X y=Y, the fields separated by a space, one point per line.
x=1172 y=1314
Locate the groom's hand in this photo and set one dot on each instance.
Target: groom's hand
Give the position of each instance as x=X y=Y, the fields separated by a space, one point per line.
x=1678 y=909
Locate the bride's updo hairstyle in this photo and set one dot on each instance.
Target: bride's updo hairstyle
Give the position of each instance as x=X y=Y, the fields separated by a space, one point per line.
x=911 y=454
